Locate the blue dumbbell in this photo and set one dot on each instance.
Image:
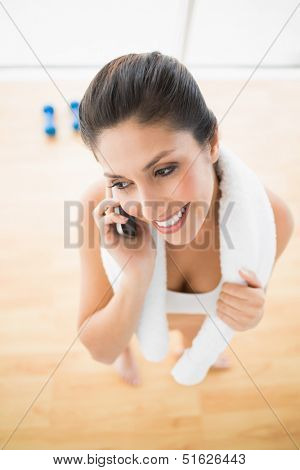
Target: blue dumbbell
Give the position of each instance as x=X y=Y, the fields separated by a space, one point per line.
x=74 y=105
x=49 y=128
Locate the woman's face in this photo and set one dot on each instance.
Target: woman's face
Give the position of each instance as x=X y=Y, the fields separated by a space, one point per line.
x=154 y=189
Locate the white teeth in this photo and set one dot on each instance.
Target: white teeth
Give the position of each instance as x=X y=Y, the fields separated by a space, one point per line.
x=173 y=220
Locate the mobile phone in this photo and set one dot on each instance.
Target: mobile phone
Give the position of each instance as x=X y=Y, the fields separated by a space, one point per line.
x=129 y=228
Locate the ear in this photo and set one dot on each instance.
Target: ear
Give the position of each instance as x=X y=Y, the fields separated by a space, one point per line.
x=214 y=145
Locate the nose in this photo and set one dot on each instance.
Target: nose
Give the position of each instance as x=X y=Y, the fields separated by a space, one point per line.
x=145 y=203
x=145 y=208
x=151 y=209
x=150 y=206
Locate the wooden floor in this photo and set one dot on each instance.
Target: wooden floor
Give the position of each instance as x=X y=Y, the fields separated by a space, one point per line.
x=53 y=395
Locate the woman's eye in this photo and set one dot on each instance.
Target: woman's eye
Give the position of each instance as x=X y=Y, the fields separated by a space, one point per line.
x=115 y=185
x=172 y=168
x=169 y=170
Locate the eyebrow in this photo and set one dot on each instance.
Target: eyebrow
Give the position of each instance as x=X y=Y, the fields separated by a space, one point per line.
x=152 y=162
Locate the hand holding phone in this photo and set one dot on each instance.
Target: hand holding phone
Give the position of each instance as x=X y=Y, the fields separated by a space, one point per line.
x=129 y=240
x=127 y=229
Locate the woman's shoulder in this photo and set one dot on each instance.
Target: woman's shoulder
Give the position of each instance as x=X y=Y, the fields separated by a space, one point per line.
x=94 y=280
x=94 y=192
x=284 y=221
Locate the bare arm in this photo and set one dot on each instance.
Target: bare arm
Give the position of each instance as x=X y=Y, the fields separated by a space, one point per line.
x=107 y=332
x=106 y=320
x=284 y=222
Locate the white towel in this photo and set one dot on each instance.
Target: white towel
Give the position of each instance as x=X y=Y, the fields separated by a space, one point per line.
x=247 y=239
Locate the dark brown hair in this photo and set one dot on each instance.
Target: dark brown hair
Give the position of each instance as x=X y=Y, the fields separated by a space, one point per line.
x=150 y=87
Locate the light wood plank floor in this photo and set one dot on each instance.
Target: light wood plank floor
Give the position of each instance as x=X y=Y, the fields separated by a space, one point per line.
x=84 y=404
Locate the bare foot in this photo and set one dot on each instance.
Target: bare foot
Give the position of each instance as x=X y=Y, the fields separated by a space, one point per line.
x=222 y=362
x=178 y=352
x=127 y=368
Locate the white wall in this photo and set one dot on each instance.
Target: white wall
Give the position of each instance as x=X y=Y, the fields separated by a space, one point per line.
x=88 y=32
x=220 y=33
x=238 y=32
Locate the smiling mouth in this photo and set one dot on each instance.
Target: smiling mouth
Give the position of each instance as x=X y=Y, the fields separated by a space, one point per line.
x=173 y=223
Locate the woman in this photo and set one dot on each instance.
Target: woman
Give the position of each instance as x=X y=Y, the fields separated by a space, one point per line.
x=147 y=124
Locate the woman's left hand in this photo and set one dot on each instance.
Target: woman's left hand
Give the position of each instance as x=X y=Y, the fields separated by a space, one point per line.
x=240 y=306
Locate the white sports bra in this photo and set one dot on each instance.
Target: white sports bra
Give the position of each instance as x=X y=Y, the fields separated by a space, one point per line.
x=189 y=302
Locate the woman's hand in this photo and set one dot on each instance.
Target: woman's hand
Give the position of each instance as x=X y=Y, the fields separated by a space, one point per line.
x=242 y=307
x=135 y=256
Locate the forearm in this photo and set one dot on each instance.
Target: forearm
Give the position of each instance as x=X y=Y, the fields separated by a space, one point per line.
x=108 y=331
